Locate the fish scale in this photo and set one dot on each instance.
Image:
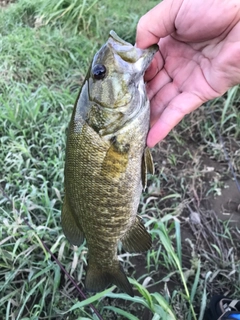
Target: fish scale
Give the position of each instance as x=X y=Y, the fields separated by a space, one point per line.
x=107 y=162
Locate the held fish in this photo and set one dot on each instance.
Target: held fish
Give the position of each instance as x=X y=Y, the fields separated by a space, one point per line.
x=107 y=162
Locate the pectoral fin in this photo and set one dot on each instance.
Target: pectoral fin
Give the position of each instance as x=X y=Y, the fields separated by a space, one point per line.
x=137 y=239
x=116 y=159
x=71 y=229
x=147 y=166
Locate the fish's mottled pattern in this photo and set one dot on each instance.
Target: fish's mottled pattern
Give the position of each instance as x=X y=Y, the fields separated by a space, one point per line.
x=106 y=161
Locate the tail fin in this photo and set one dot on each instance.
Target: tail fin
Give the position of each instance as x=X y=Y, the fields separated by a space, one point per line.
x=97 y=279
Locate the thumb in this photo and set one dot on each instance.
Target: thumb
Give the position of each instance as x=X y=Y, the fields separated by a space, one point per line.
x=157 y=23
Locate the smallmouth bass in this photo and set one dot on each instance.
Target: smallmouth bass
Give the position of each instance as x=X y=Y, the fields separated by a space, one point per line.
x=107 y=162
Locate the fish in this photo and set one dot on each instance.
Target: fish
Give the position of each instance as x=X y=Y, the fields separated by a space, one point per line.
x=107 y=162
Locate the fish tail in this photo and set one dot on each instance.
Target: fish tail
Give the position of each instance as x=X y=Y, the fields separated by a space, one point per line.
x=98 y=279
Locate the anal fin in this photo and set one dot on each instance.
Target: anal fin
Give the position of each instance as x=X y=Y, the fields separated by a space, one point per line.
x=137 y=239
x=71 y=229
x=98 y=279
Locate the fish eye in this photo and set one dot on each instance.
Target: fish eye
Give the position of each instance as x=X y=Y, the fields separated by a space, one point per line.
x=99 y=71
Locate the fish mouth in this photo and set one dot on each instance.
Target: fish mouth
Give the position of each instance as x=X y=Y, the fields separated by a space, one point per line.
x=116 y=38
x=147 y=56
x=130 y=53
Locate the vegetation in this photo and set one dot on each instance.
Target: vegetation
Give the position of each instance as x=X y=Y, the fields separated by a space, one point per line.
x=45 y=50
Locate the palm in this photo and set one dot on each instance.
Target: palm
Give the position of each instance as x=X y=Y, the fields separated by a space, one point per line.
x=190 y=70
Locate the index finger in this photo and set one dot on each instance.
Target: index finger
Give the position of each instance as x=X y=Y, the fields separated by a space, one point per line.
x=157 y=23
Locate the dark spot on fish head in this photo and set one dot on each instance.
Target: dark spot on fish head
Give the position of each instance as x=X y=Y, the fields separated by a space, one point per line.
x=126 y=148
x=113 y=139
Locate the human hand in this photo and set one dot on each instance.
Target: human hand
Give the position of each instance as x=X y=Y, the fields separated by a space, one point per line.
x=198 y=57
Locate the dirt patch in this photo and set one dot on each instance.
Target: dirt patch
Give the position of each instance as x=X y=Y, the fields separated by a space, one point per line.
x=199 y=178
x=227 y=205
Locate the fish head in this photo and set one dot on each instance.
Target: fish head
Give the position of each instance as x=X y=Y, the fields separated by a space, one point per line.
x=116 y=79
x=117 y=67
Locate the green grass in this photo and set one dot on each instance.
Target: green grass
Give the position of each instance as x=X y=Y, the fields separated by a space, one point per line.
x=45 y=51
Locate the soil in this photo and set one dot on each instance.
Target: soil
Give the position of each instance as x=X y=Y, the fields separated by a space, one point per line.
x=227 y=205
